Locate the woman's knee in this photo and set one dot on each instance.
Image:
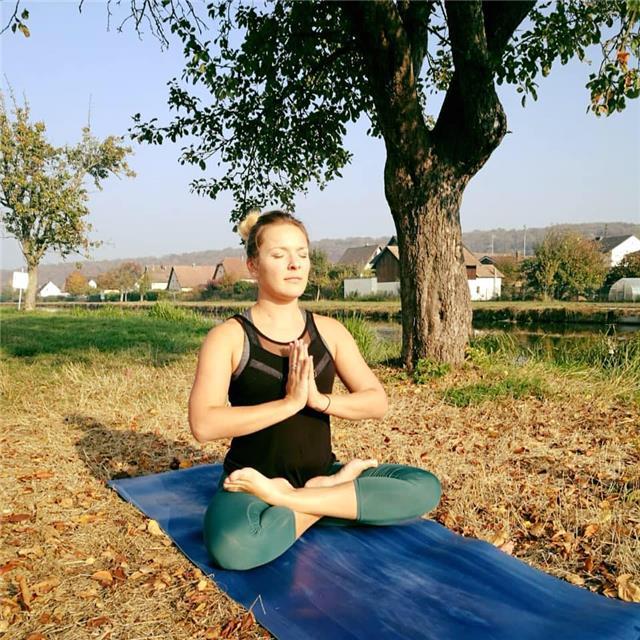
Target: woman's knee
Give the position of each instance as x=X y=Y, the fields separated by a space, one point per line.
x=425 y=488
x=247 y=534
x=428 y=489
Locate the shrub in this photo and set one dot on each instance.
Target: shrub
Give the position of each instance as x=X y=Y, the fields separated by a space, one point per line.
x=427 y=369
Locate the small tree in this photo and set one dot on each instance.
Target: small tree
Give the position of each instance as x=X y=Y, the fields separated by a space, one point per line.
x=76 y=284
x=42 y=187
x=565 y=265
x=629 y=267
x=144 y=285
x=319 y=274
x=125 y=277
x=106 y=280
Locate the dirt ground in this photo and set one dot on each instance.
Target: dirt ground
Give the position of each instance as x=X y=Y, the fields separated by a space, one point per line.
x=553 y=480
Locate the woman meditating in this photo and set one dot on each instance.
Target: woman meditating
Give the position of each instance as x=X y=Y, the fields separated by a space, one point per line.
x=277 y=363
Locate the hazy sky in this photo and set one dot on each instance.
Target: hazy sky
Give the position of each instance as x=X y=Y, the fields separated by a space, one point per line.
x=557 y=164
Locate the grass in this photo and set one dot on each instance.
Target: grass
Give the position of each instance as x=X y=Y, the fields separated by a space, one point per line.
x=538 y=454
x=512 y=387
x=155 y=336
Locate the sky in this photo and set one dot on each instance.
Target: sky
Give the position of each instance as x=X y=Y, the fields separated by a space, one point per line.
x=557 y=164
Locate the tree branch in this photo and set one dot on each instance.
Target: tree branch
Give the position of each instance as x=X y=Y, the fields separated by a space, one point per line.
x=415 y=18
x=472 y=121
x=387 y=62
x=501 y=19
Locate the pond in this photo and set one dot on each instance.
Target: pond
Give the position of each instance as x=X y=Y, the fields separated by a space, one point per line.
x=532 y=334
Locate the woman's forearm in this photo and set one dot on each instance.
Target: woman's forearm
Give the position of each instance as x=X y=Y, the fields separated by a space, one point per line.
x=359 y=405
x=213 y=423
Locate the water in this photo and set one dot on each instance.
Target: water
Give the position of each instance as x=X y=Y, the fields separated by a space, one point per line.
x=531 y=334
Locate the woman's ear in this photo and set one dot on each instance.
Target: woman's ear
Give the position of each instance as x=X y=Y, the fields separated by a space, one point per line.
x=252 y=267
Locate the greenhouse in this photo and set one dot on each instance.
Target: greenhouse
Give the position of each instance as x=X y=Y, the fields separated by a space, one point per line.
x=625 y=290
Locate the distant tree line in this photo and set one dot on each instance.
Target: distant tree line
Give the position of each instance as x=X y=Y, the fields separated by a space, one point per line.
x=565 y=266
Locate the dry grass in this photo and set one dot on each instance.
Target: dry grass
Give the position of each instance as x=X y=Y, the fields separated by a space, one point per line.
x=554 y=479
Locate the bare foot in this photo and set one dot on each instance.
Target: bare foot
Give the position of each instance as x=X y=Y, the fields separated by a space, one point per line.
x=349 y=472
x=249 y=480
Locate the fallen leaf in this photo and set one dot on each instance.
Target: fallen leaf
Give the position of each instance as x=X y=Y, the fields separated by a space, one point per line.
x=88 y=594
x=15 y=517
x=588 y=564
x=627 y=590
x=103 y=577
x=507 y=547
x=499 y=538
x=9 y=566
x=574 y=579
x=154 y=528
x=97 y=622
x=25 y=592
x=43 y=475
x=591 y=529
x=31 y=551
x=35 y=636
x=119 y=574
x=247 y=621
x=45 y=586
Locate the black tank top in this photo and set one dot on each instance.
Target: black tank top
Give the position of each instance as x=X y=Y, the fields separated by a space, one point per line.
x=299 y=447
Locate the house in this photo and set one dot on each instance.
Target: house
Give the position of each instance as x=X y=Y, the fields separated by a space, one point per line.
x=361 y=257
x=158 y=276
x=232 y=269
x=50 y=290
x=485 y=281
x=614 y=248
x=188 y=278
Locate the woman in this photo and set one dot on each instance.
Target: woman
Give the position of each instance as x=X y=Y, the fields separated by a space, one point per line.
x=277 y=365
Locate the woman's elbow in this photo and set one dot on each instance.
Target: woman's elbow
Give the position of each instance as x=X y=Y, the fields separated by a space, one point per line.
x=200 y=431
x=382 y=406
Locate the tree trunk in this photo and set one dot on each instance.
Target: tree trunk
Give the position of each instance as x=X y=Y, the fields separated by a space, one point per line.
x=30 y=296
x=436 y=303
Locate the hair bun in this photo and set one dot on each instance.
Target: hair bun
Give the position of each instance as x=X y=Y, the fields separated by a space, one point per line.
x=247 y=222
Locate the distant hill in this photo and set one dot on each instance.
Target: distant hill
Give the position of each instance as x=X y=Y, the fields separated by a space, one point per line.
x=511 y=240
x=333 y=247
x=504 y=241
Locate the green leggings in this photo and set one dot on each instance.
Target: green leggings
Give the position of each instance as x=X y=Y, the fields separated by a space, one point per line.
x=242 y=531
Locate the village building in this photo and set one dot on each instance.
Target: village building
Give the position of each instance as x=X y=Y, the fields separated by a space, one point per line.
x=615 y=248
x=50 y=290
x=485 y=281
x=232 y=270
x=361 y=257
x=187 y=278
x=158 y=276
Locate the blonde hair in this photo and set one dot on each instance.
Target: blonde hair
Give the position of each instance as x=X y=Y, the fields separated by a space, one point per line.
x=250 y=228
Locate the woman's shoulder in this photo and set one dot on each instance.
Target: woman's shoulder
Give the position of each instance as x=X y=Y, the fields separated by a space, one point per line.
x=330 y=327
x=229 y=330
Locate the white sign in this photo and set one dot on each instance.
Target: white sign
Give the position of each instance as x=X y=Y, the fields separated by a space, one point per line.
x=20 y=280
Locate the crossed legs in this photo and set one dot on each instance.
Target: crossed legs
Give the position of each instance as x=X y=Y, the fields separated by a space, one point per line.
x=332 y=495
x=255 y=519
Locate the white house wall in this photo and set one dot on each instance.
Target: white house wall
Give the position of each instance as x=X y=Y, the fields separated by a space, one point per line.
x=480 y=288
x=630 y=245
x=485 y=288
x=359 y=286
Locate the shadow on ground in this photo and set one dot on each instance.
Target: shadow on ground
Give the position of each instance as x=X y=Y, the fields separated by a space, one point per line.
x=110 y=453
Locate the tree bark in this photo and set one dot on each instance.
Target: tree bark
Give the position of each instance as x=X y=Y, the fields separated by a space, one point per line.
x=30 y=295
x=436 y=304
x=426 y=171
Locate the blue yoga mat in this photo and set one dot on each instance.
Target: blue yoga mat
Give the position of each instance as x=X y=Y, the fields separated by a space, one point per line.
x=416 y=580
